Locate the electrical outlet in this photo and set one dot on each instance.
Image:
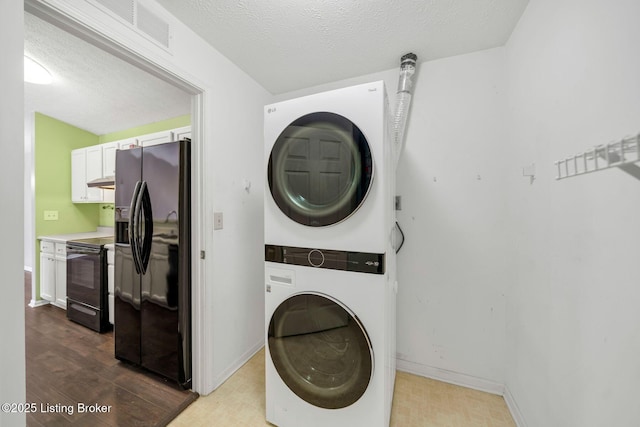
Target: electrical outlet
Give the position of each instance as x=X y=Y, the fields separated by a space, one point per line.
x=50 y=215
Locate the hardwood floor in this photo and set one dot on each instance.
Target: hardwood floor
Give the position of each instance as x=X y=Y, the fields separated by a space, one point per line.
x=72 y=376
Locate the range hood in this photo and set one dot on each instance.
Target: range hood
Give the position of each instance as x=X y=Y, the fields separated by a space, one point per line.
x=108 y=182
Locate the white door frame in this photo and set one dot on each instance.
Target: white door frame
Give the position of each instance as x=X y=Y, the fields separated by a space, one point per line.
x=202 y=358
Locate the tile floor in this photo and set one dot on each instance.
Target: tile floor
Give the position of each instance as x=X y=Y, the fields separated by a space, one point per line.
x=418 y=402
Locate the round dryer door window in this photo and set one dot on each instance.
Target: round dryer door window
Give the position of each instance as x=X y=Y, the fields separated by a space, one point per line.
x=320 y=169
x=320 y=350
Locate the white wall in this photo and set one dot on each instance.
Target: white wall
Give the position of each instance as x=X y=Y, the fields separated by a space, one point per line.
x=451 y=270
x=29 y=220
x=573 y=312
x=12 y=362
x=229 y=293
x=452 y=179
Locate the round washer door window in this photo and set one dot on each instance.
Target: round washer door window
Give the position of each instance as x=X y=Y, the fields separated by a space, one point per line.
x=320 y=169
x=320 y=350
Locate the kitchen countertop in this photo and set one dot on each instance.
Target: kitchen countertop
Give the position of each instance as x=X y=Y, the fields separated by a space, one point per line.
x=63 y=238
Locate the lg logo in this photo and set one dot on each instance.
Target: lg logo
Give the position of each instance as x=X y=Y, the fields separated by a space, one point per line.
x=271 y=110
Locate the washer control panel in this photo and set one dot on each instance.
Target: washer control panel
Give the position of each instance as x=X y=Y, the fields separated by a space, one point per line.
x=362 y=262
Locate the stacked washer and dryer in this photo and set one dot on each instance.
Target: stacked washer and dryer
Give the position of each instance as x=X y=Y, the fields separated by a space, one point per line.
x=330 y=265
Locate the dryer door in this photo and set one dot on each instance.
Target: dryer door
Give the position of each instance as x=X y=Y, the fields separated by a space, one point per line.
x=320 y=350
x=320 y=169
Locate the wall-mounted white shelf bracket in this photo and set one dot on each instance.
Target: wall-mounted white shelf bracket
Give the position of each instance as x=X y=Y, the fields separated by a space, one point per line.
x=621 y=154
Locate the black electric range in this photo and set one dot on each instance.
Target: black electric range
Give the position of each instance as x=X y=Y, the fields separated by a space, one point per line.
x=93 y=242
x=87 y=282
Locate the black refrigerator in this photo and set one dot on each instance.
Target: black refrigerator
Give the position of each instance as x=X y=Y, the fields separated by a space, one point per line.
x=152 y=324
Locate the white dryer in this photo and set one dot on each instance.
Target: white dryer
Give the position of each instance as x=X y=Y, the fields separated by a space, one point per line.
x=330 y=347
x=329 y=259
x=330 y=175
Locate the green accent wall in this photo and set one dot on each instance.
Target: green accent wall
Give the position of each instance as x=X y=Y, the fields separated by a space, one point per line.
x=106 y=218
x=54 y=141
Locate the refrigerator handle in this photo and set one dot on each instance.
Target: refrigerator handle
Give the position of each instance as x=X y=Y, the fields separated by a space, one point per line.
x=133 y=227
x=145 y=201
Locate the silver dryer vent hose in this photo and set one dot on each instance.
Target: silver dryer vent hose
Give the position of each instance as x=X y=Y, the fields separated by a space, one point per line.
x=403 y=100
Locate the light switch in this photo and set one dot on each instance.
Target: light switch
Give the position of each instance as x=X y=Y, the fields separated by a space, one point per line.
x=217 y=220
x=50 y=215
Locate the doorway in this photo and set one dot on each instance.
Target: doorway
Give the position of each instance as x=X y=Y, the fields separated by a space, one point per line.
x=196 y=94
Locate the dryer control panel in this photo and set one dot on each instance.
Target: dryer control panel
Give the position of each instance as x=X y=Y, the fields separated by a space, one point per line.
x=362 y=262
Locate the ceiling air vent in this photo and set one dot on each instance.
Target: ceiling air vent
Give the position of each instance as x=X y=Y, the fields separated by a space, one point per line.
x=122 y=8
x=152 y=25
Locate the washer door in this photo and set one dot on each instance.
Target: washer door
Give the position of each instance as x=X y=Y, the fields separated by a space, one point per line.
x=320 y=350
x=320 y=169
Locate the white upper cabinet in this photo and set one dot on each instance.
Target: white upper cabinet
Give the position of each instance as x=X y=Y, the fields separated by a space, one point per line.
x=86 y=165
x=125 y=144
x=109 y=159
x=155 y=138
x=99 y=161
x=94 y=171
x=109 y=168
x=78 y=175
x=181 y=133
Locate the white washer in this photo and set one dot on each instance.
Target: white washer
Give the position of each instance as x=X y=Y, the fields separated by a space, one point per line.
x=330 y=178
x=329 y=259
x=330 y=347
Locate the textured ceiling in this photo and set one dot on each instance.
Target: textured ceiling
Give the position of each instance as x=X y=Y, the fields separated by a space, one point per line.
x=92 y=89
x=287 y=45
x=284 y=45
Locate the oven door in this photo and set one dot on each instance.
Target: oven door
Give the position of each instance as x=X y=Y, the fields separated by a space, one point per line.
x=84 y=275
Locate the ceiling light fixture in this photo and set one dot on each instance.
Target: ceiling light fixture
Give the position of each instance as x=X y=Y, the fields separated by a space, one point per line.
x=36 y=73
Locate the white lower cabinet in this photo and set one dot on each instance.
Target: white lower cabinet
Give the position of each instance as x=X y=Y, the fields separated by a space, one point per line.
x=53 y=273
x=111 y=281
x=48 y=277
x=61 y=275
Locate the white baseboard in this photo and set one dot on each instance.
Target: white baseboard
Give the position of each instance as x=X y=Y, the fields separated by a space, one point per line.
x=451 y=377
x=237 y=364
x=29 y=269
x=38 y=303
x=513 y=408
